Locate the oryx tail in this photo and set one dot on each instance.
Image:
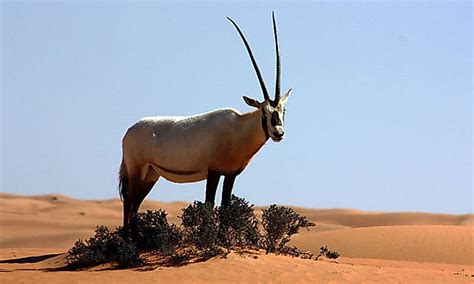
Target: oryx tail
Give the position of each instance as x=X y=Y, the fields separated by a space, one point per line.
x=123 y=181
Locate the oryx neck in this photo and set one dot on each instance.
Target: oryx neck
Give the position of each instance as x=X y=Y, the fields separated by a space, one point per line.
x=257 y=127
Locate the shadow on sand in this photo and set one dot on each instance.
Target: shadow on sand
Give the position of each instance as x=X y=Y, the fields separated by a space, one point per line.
x=30 y=259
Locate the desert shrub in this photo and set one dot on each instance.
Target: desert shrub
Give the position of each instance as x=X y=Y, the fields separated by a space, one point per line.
x=92 y=251
x=200 y=223
x=238 y=225
x=332 y=254
x=152 y=232
x=324 y=251
x=103 y=247
x=279 y=224
x=295 y=252
x=80 y=255
x=204 y=231
x=125 y=252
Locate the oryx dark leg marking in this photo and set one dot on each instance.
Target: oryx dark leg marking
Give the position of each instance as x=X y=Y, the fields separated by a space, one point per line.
x=211 y=186
x=129 y=200
x=151 y=177
x=144 y=190
x=127 y=206
x=228 y=185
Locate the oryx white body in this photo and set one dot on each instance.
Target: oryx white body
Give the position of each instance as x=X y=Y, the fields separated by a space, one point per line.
x=204 y=146
x=185 y=149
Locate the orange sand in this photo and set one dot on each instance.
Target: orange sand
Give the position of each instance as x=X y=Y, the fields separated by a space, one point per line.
x=375 y=246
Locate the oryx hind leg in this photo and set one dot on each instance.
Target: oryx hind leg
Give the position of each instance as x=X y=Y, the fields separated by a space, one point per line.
x=146 y=185
x=140 y=182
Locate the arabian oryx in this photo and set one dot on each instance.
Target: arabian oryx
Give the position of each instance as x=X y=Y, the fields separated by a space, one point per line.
x=204 y=146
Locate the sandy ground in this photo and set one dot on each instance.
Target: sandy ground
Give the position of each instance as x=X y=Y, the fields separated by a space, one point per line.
x=36 y=231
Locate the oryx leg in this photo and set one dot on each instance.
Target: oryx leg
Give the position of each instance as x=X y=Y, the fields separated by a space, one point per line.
x=128 y=200
x=139 y=185
x=227 y=191
x=127 y=206
x=142 y=191
x=146 y=185
x=211 y=186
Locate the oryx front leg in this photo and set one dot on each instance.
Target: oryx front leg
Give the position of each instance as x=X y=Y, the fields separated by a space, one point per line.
x=211 y=186
x=227 y=190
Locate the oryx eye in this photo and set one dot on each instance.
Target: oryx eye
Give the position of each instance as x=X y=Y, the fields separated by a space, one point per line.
x=275 y=119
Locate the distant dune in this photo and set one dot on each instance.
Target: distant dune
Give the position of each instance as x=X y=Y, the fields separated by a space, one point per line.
x=409 y=246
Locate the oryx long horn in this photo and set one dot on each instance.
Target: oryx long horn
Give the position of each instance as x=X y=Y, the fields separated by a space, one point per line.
x=278 y=65
x=255 y=66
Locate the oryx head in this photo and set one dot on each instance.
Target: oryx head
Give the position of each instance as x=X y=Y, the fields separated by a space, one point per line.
x=273 y=111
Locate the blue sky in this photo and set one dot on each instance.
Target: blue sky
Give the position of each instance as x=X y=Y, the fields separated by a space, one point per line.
x=380 y=117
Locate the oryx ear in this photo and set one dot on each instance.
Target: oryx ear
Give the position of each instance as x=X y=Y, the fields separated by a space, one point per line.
x=251 y=102
x=285 y=97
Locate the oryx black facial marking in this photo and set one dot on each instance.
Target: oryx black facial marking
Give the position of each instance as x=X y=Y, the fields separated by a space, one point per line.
x=265 y=126
x=276 y=121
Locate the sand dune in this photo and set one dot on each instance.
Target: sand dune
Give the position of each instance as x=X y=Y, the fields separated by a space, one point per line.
x=248 y=268
x=375 y=246
x=355 y=218
x=423 y=243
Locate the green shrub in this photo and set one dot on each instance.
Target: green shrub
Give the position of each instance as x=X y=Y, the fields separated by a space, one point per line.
x=125 y=253
x=295 y=252
x=152 y=232
x=238 y=225
x=200 y=223
x=324 y=251
x=204 y=231
x=279 y=224
x=81 y=255
x=103 y=247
